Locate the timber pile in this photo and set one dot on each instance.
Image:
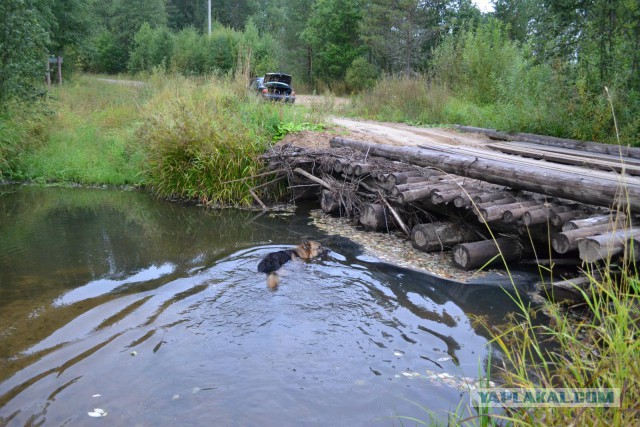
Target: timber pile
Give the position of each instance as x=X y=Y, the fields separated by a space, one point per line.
x=456 y=198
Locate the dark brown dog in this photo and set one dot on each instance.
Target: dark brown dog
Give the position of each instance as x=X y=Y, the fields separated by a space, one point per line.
x=272 y=262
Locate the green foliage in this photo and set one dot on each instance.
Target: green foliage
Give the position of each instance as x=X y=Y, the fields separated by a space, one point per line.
x=361 y=74
x=204 y=141
x=107 y=56
x=596 y=349
x=195 y=54
x=332 y=34
x=23 y=41
x=282 y=129
x=153 y=48
x=89 y=139
x=482 y=63
x=404 y=99
x=22 y=128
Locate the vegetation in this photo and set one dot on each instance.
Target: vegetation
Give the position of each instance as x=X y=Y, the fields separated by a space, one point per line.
x=204 y=141
x=192 y=131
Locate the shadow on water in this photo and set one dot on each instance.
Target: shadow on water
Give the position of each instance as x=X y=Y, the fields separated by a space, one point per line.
x=154 y=312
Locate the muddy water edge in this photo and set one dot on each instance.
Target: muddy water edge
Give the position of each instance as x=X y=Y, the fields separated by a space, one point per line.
x=153 y=313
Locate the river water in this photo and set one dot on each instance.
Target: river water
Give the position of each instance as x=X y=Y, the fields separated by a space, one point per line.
x=142 y=312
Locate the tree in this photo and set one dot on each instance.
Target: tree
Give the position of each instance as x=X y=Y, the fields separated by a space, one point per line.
x=332 y=33
x=23 y=48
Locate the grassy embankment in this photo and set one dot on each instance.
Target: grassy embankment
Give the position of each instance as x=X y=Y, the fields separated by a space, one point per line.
x=183 y=138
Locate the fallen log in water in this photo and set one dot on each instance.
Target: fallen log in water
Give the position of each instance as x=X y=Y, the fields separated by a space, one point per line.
x=607 y=245
x=478 y=254
x=374 y=217
x=593 y=187
x=438 y=236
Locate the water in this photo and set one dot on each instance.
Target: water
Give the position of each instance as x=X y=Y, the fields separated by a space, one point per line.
x=154 y=313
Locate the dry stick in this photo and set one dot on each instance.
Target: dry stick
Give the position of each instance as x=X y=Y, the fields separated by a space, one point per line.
x=401 y=223
x=255 y=196
x=313 y=178
x=254 y=176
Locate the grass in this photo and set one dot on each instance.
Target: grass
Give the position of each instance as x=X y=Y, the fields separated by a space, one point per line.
x=204 y=141
x=191 y=138
x=90 y=136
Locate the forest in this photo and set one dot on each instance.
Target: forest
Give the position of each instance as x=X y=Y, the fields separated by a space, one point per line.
x=567 y=68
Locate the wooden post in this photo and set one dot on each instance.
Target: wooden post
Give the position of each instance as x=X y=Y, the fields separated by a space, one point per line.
x=48 y=75
x=60 y=70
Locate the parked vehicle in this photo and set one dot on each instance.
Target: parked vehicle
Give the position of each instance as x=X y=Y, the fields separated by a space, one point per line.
x=275 y=87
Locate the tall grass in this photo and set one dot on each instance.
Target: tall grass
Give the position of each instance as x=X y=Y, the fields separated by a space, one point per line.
x=204 y=141
x=90 y=136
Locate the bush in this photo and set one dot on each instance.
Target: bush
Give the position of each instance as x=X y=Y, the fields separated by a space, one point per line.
x=153 y=48
x=361 y=75
x=204 y=142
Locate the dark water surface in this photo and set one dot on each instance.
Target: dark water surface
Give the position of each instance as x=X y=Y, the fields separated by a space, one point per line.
x=154 y=313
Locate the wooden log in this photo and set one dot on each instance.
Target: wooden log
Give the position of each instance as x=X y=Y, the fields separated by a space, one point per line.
x=542 y=215
x=338 y=165
x=421 y=193
x=329 y=201
x=495 y=212
x=313 y=178
x=439 y=197
x=592 y=187
x=363 y=168
x=398 y=220
x=374 y=217
x=559 y=218
x=438 y=236
x=348 y=168
x=478 y=254
x=568 y=240
x=574 y=224
x=512 y=215
x=422 y=182
x=491 y=196
x=606 y=245
x=466 y=199
x=397 y=178
x=589 y=146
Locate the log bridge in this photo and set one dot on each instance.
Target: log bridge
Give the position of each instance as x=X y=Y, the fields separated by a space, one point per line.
x=517 y=197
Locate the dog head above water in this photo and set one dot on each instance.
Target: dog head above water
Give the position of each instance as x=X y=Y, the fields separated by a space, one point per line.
x=310 y=249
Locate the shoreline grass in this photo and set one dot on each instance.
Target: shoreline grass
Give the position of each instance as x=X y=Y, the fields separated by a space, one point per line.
x=181 y=137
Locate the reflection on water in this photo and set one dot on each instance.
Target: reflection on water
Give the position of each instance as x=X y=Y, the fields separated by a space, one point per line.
x=154 y=313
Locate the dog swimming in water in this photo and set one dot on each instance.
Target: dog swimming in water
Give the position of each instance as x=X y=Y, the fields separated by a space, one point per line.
x=272 y=262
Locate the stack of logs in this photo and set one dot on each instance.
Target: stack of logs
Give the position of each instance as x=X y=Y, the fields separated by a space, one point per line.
x=479 y=221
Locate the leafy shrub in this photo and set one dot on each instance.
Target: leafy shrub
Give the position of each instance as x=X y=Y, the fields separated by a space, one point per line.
x=152 y=48
x=361 y=74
